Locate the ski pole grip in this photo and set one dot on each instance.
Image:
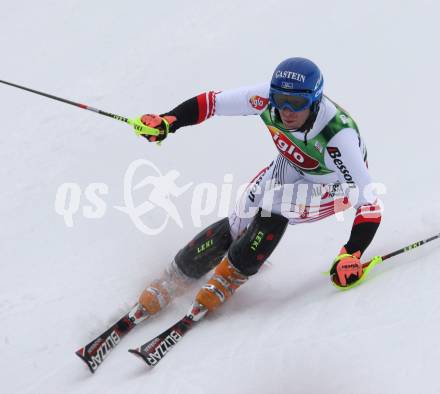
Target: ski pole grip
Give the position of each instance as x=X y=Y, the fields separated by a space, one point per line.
x=142 y=129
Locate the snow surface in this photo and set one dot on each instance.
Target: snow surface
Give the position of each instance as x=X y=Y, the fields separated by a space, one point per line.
x=286 y=331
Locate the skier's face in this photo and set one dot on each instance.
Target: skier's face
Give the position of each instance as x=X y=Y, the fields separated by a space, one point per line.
x=294 y=120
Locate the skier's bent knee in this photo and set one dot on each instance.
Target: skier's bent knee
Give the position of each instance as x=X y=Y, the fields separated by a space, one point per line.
x=250 y=251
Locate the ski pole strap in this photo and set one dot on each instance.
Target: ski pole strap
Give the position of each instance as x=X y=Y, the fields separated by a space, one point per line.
x=341 y=256
x=142 y=129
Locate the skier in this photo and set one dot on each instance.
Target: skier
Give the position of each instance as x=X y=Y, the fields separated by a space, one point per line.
x=321 y=169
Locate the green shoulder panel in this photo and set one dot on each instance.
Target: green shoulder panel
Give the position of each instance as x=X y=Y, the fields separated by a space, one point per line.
x=307 y=158
x=341 y=120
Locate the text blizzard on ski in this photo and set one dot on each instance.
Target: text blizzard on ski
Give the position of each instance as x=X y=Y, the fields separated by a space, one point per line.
x=169 y=341
x=102 y=352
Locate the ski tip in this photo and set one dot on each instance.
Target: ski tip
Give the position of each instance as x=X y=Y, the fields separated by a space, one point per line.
x=138 y=353
x=81 y=354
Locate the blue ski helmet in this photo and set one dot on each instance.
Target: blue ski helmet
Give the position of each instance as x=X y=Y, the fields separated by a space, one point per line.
x=296 y=84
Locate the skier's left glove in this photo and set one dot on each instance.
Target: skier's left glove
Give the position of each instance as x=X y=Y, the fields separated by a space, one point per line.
x=164 y=124
x=346 y=269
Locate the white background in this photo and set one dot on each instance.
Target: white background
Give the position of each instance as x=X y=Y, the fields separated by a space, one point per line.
x=288 y=330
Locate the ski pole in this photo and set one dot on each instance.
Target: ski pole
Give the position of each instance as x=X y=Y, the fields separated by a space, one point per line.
x=138 y=126
x=369 y=265
x=402 y=250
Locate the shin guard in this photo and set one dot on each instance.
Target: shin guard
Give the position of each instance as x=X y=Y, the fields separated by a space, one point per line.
x=206 y=250
x=250 y=251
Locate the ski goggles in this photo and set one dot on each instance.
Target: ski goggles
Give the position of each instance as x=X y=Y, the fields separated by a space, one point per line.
x=295 y=102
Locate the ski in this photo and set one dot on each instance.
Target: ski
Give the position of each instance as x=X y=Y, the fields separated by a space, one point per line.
x=153 y=351
x=95 y=352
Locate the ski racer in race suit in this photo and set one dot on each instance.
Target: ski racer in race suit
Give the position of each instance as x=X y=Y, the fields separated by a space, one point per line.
x=321 y=169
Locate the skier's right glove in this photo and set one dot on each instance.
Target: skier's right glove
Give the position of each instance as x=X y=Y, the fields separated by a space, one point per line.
x=164 y=124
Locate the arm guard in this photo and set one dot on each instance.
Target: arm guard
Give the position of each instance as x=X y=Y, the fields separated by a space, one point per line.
x=193 y=111
x=366 y=223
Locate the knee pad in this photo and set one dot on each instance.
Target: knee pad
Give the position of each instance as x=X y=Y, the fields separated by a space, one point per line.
x=250 y=251
x=206 y=250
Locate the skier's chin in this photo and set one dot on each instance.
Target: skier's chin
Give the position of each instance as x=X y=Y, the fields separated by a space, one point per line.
x=294 y=124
